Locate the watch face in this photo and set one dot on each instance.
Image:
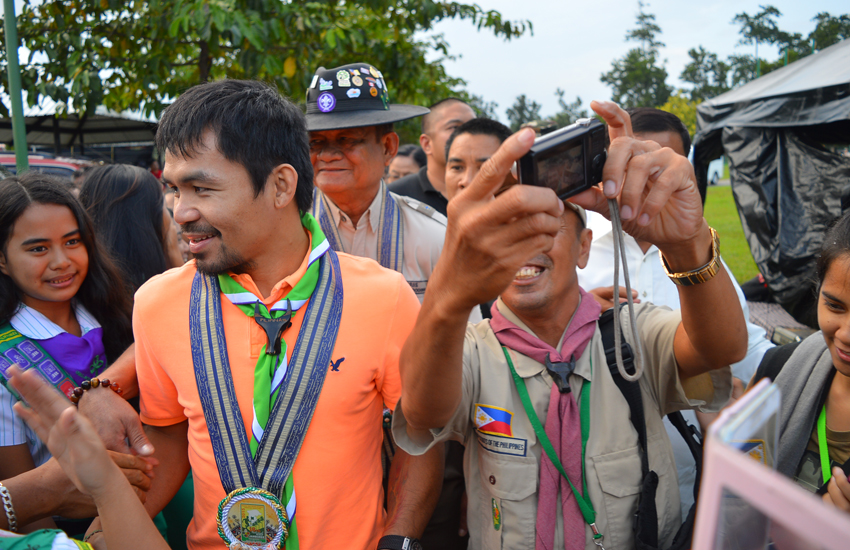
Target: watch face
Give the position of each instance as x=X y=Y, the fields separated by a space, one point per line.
x=414 y=545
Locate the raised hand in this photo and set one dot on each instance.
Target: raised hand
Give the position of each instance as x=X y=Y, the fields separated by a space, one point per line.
x=70 y=436
x=490 y=237
x=655 y=187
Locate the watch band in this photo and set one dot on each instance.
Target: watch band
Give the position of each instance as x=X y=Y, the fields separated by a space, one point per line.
x=398 y=542
x=701 y=275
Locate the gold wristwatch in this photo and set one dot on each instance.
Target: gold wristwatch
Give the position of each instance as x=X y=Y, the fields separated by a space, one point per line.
x=701 y=275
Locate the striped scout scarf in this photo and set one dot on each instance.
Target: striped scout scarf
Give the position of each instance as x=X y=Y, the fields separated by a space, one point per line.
x=270 y=370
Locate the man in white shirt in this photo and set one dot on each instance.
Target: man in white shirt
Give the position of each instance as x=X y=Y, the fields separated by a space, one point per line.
x=647 y=277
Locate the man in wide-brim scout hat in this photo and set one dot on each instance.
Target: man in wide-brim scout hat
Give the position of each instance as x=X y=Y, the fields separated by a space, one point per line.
x=350 y=120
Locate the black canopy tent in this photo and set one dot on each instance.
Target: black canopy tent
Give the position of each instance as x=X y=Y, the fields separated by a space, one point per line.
x=64 y=131
x=787 y=183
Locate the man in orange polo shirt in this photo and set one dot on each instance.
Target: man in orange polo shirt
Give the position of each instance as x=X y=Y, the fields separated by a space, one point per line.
x=269 y=346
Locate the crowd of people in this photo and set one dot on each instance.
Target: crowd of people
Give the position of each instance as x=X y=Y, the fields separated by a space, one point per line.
x=336 y=342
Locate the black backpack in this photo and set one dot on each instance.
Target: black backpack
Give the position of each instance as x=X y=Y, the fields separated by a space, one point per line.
x=646 y=518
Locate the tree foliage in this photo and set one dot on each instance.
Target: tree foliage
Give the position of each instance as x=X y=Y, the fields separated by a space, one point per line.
x=570 y=112
x=684 y=108
x=639 y=78
x=523 y=110
x=710 y=76
x=707 y=74
x=130 y=54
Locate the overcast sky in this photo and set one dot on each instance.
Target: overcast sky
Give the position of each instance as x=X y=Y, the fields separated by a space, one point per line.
x=574 y=42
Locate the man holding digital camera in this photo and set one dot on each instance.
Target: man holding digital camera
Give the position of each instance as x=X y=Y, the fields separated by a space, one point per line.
x=576 y=482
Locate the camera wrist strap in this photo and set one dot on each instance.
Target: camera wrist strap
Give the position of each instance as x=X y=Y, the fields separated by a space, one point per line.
x=620 y=252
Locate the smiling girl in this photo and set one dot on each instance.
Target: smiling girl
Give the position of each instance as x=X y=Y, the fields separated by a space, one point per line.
x=815 y=381
x=64 y=309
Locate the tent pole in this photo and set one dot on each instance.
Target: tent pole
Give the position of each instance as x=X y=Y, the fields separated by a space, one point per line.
x=14 y=73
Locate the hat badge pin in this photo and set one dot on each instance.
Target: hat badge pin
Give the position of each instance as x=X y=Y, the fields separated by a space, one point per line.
x=326 y=102
x=343 y=79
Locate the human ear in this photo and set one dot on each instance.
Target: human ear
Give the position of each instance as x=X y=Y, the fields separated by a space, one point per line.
x=585 y=238
x=425 y=143
x=390 y=144
x=3 y=268
x=285 y=181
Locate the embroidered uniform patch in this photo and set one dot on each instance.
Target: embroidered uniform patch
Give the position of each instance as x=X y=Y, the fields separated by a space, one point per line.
x=503 y=445
x=493 y=420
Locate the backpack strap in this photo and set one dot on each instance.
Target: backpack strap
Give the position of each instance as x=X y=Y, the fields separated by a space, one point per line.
x=773 y=360
x=646 y=518
x=630 y=390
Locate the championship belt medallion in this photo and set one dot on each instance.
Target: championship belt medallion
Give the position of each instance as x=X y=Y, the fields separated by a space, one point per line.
x=252 y=518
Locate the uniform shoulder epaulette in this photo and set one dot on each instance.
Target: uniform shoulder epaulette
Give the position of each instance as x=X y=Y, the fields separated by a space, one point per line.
x=421 y=207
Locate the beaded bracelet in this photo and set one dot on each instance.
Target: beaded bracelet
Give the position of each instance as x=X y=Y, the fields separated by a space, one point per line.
x=11 y=518
x=94 y=383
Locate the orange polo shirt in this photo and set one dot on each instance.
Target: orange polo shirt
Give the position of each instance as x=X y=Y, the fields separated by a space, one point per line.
x=338 y=470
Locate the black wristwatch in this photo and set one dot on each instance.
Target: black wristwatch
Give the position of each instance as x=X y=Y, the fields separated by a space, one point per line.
x=398 y=542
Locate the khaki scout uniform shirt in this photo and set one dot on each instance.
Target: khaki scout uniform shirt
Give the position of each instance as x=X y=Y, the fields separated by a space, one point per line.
x=424 y=233
x=503 y=472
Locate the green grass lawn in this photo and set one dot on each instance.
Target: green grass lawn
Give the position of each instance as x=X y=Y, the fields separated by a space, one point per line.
x=721 y=214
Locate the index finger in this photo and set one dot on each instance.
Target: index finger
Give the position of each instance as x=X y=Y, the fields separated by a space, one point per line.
x=43 y=399
x=493 y=172
x=619 y=122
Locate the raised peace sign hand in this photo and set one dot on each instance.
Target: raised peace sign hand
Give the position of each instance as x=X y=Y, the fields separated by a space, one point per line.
x=656 y=189
x=488 y=237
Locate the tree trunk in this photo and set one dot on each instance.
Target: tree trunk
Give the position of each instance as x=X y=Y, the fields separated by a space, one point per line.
x=204 y=62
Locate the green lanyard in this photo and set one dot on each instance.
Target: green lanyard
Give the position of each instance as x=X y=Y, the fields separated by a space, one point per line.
x=822 y=447
x=583 y=501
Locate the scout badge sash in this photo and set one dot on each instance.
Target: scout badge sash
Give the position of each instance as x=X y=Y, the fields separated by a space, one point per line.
x=28 y=353
x=256 y=477
x=390 y=232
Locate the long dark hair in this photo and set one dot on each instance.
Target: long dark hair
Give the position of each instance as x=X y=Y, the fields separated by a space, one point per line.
x=125 y=205
x=102 y=292
x=836 y=244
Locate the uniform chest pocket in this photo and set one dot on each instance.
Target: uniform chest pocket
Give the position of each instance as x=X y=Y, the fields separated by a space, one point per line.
x=509 y=500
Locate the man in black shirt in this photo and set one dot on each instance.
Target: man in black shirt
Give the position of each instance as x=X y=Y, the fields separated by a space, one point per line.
x=429 y=185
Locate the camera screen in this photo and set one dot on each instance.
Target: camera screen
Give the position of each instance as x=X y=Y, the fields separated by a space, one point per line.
x=563 y=169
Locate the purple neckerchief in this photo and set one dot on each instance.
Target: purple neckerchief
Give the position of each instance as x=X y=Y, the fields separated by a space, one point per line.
x=82 y=357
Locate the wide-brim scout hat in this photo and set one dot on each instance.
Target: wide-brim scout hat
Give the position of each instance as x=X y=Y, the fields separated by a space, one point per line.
x=353 y=96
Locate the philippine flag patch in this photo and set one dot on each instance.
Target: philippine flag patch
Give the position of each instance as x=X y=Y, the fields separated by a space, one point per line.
x=493 y=420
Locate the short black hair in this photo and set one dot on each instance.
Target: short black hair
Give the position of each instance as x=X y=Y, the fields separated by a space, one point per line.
x=254 y=126
x=480 y=127
x=647 y=120
x=415 y=152
x=426 y=119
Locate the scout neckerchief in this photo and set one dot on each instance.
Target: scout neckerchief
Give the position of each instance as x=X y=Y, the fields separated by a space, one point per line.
x=390 y=232
x=251 y=515
x=577 y=336
x=27 y=353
